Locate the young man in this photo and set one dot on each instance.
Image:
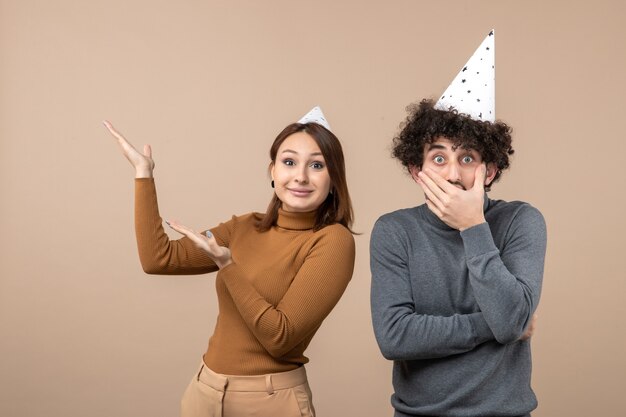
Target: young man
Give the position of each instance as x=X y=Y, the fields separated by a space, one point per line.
x=456 y=281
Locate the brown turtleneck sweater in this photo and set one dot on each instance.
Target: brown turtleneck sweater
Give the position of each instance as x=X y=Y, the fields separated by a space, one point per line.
x=275 y=294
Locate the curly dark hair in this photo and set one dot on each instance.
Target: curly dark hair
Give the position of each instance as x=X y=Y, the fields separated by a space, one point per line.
x=425 y=124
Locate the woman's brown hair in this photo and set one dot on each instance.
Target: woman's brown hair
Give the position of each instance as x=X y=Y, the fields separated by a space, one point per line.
x=337 y=208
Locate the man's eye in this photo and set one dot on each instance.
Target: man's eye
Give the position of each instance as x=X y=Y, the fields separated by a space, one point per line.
x=468 y=159
x=439 y=159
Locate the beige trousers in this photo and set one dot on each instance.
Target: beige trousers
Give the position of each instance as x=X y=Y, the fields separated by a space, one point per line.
x=283 y=394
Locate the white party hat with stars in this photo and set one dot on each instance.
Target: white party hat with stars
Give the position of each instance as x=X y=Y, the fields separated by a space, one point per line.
x=315 y=116
x=473 y=91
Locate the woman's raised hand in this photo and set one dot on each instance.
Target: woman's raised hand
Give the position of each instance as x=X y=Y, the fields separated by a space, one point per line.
x=143 y=163
x=220 y=254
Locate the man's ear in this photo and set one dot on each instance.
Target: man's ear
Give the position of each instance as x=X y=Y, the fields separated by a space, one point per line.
x=414 y=170
x=492 y=170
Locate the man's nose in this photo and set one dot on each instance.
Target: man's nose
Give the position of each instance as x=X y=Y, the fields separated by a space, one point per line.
x=453 y=173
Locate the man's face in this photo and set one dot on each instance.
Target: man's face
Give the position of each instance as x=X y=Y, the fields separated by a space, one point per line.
x=457 y=166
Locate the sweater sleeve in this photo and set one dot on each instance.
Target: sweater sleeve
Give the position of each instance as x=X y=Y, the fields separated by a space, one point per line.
x=507 y=284
x=157 y=253
x=401 y=332
x=315 y=290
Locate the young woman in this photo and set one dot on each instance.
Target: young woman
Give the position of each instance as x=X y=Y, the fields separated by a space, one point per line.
x=279 y=274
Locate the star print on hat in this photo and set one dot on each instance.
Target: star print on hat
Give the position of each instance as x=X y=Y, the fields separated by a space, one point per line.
x=315 y=116
x=473 y=91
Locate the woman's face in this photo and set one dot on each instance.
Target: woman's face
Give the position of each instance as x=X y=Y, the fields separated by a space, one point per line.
x=301 y=179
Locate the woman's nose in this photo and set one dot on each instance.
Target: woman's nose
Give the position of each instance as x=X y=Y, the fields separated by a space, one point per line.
x=302 y=176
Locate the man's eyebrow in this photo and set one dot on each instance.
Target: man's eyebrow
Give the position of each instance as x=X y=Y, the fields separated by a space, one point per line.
x=436 y=146
x=444 y=147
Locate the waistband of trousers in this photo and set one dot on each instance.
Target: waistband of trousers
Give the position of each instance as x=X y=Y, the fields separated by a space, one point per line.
x=249 y=383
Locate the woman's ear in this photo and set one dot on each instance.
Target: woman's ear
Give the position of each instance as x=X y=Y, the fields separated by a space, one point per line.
x=414 y=170
x=492 y=170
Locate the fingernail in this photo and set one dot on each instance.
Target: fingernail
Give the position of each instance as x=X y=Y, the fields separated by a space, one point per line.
x=208 y=233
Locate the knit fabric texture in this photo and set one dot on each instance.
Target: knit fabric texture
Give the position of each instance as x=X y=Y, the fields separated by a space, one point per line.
x=449 y=308
x=275 y=294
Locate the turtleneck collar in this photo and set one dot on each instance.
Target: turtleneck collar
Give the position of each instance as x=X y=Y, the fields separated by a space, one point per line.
x=296 y=221
x=432 y=218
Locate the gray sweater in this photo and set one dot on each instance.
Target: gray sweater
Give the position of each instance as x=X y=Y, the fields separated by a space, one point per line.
x=449 y=307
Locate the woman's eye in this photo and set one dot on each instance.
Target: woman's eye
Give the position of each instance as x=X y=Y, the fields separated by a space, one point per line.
x=317 y=165
x=439 y=159
x=288 y=162
x=468 y=159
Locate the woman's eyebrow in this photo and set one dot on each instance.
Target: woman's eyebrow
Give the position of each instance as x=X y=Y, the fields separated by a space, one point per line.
x=295 y=152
